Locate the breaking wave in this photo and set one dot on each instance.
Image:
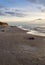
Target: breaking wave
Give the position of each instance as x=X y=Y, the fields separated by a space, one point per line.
x=39 y=31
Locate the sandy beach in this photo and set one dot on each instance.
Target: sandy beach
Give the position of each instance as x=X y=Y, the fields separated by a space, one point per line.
x=17 y=47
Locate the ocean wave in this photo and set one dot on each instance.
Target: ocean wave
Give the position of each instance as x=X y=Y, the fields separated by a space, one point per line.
x=39 y=31
x=33 y=32
x=21 y=27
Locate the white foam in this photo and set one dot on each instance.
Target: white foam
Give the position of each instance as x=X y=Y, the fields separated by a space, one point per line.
x=23 y=28
x=33 y=32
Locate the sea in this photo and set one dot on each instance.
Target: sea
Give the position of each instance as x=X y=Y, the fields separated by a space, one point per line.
x=34 y=29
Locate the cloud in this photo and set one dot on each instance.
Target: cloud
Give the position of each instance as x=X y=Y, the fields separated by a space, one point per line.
x=11 y=12
x=17 y=14
x=20 y=15
x=32 y=1
x=1 y=6
x=37 y=1
x=2 y=14
x=41 y=9
x=38 y=4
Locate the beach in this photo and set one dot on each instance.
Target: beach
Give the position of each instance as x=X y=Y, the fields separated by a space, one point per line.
x=18 y=48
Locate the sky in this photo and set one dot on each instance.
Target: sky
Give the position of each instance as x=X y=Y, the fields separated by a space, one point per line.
x=21 y=10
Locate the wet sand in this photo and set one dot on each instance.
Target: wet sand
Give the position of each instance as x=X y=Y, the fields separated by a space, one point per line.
x=16 y=47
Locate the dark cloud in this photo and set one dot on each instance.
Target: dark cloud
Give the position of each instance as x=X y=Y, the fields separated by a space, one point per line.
x=39 y=7
x=17 y=10
x=10 y=12
x=37 y=1
x=2 y=14
x=19 y=14
x=42 y=9
x=40 y=4
x=1 y=6
x=32 y=1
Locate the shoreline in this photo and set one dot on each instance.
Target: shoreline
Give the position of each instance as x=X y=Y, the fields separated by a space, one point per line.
x=33 y=32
